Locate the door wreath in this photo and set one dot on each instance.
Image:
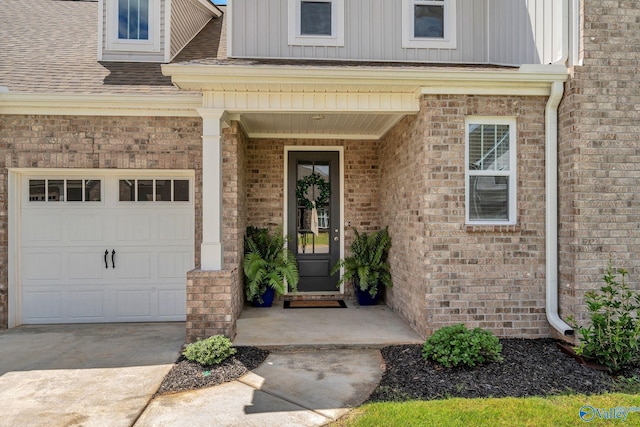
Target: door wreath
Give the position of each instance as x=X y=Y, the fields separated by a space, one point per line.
x=324 y=191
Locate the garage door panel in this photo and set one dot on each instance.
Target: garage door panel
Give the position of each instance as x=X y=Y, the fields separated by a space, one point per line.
x=133 y=228
x=86 y=305
x=172 y=303
x=42 y=228
x=133 y=265
x=43 y=306
x=86 y=228
x=173 y=265
x=86 y=265
x=176 y=227
x=43 y=265
x=133 y=303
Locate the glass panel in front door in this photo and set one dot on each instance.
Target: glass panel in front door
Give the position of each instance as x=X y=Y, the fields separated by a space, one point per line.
x=313 y=199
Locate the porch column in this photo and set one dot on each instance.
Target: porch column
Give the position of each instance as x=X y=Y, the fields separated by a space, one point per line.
x=213 y=121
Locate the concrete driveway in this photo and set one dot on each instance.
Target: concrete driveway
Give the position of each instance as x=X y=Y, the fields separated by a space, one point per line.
x=83 y=375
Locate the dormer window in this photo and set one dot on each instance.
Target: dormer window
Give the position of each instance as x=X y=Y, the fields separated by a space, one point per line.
x=316 y=23
x=429 y=24
x=133 y=25
x=133 y=19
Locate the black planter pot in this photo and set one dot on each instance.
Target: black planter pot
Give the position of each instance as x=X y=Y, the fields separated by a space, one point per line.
x=267 y=298
x=364 y=297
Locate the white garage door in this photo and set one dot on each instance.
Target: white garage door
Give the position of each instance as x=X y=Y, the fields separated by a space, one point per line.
x=105 y=248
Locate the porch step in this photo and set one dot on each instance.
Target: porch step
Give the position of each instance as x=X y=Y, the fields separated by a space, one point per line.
x=359 y=327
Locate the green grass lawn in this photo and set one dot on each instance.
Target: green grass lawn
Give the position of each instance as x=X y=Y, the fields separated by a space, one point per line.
x=535 y=411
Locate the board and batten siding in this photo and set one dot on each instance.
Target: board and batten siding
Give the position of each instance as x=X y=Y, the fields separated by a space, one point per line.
x=525 y=31
x=187 y=20
x=486 y=32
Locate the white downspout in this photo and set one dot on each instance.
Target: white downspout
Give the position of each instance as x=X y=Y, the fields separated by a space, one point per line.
x=551 y=196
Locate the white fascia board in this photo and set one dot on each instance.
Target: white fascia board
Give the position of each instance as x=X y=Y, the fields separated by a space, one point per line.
x=526 y=80
x=101 y=105
x=485 y=88
x=206 y=6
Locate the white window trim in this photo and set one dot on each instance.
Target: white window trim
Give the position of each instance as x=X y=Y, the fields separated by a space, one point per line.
x=115 y=43
x=337 y=26
x=512 y=173
x=450 y=30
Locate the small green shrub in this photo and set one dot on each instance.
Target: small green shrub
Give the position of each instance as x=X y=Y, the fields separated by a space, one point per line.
x=456 y=345
x=613 y=338
x=210 y=351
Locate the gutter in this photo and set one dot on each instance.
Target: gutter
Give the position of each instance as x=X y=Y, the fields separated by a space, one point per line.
x=176 y=105
x=551 y=220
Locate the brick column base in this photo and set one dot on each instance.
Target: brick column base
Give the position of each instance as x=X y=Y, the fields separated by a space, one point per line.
x=214 y=303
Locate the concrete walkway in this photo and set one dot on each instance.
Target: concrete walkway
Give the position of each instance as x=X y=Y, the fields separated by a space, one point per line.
x=83 y=375
x=322 y=363
x=298 y=388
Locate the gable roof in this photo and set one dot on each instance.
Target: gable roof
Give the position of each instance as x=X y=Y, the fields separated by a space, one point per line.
x=50 y=46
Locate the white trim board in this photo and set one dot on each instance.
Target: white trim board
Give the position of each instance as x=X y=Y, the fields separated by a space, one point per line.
x=179 y=105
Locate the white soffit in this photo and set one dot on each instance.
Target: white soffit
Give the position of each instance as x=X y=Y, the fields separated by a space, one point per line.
x=318 y=126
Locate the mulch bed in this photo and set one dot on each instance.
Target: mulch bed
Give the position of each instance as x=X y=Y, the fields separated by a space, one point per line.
x=530 y=368
x=186 y=375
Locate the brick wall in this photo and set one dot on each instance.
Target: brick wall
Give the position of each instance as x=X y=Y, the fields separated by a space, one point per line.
x=94 y=142
x=599 y=154
x=265 y=182
x=443 y=271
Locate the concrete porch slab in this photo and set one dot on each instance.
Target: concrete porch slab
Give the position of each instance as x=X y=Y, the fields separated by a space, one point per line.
x=352 y=327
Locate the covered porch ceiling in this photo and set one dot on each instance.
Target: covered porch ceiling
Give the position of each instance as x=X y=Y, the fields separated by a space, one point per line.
x=343 y=102
x=317 y=125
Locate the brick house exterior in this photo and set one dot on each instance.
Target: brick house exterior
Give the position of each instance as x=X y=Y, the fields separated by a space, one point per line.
x=411 y=178
x=599 y=163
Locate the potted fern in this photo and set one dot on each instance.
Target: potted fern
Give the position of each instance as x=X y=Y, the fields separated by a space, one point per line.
x=367 y=266
x=269 y=267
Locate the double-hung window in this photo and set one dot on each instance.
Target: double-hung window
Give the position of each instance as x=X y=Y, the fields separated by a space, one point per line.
x=491 y=170
x=429 y=24
x=133 y=19
x=316 y=23
x=133 y=25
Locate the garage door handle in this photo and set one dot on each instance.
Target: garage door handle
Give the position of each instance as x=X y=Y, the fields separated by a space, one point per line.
x=113 y=258
x=106 y=263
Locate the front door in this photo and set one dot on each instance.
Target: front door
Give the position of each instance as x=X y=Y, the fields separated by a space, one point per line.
x=314 y=217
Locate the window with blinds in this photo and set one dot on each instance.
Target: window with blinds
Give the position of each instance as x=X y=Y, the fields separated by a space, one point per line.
x=491 y=170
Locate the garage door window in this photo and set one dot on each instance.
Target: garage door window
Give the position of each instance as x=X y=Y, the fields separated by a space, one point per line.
x=154 y=190
x=65 y=190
